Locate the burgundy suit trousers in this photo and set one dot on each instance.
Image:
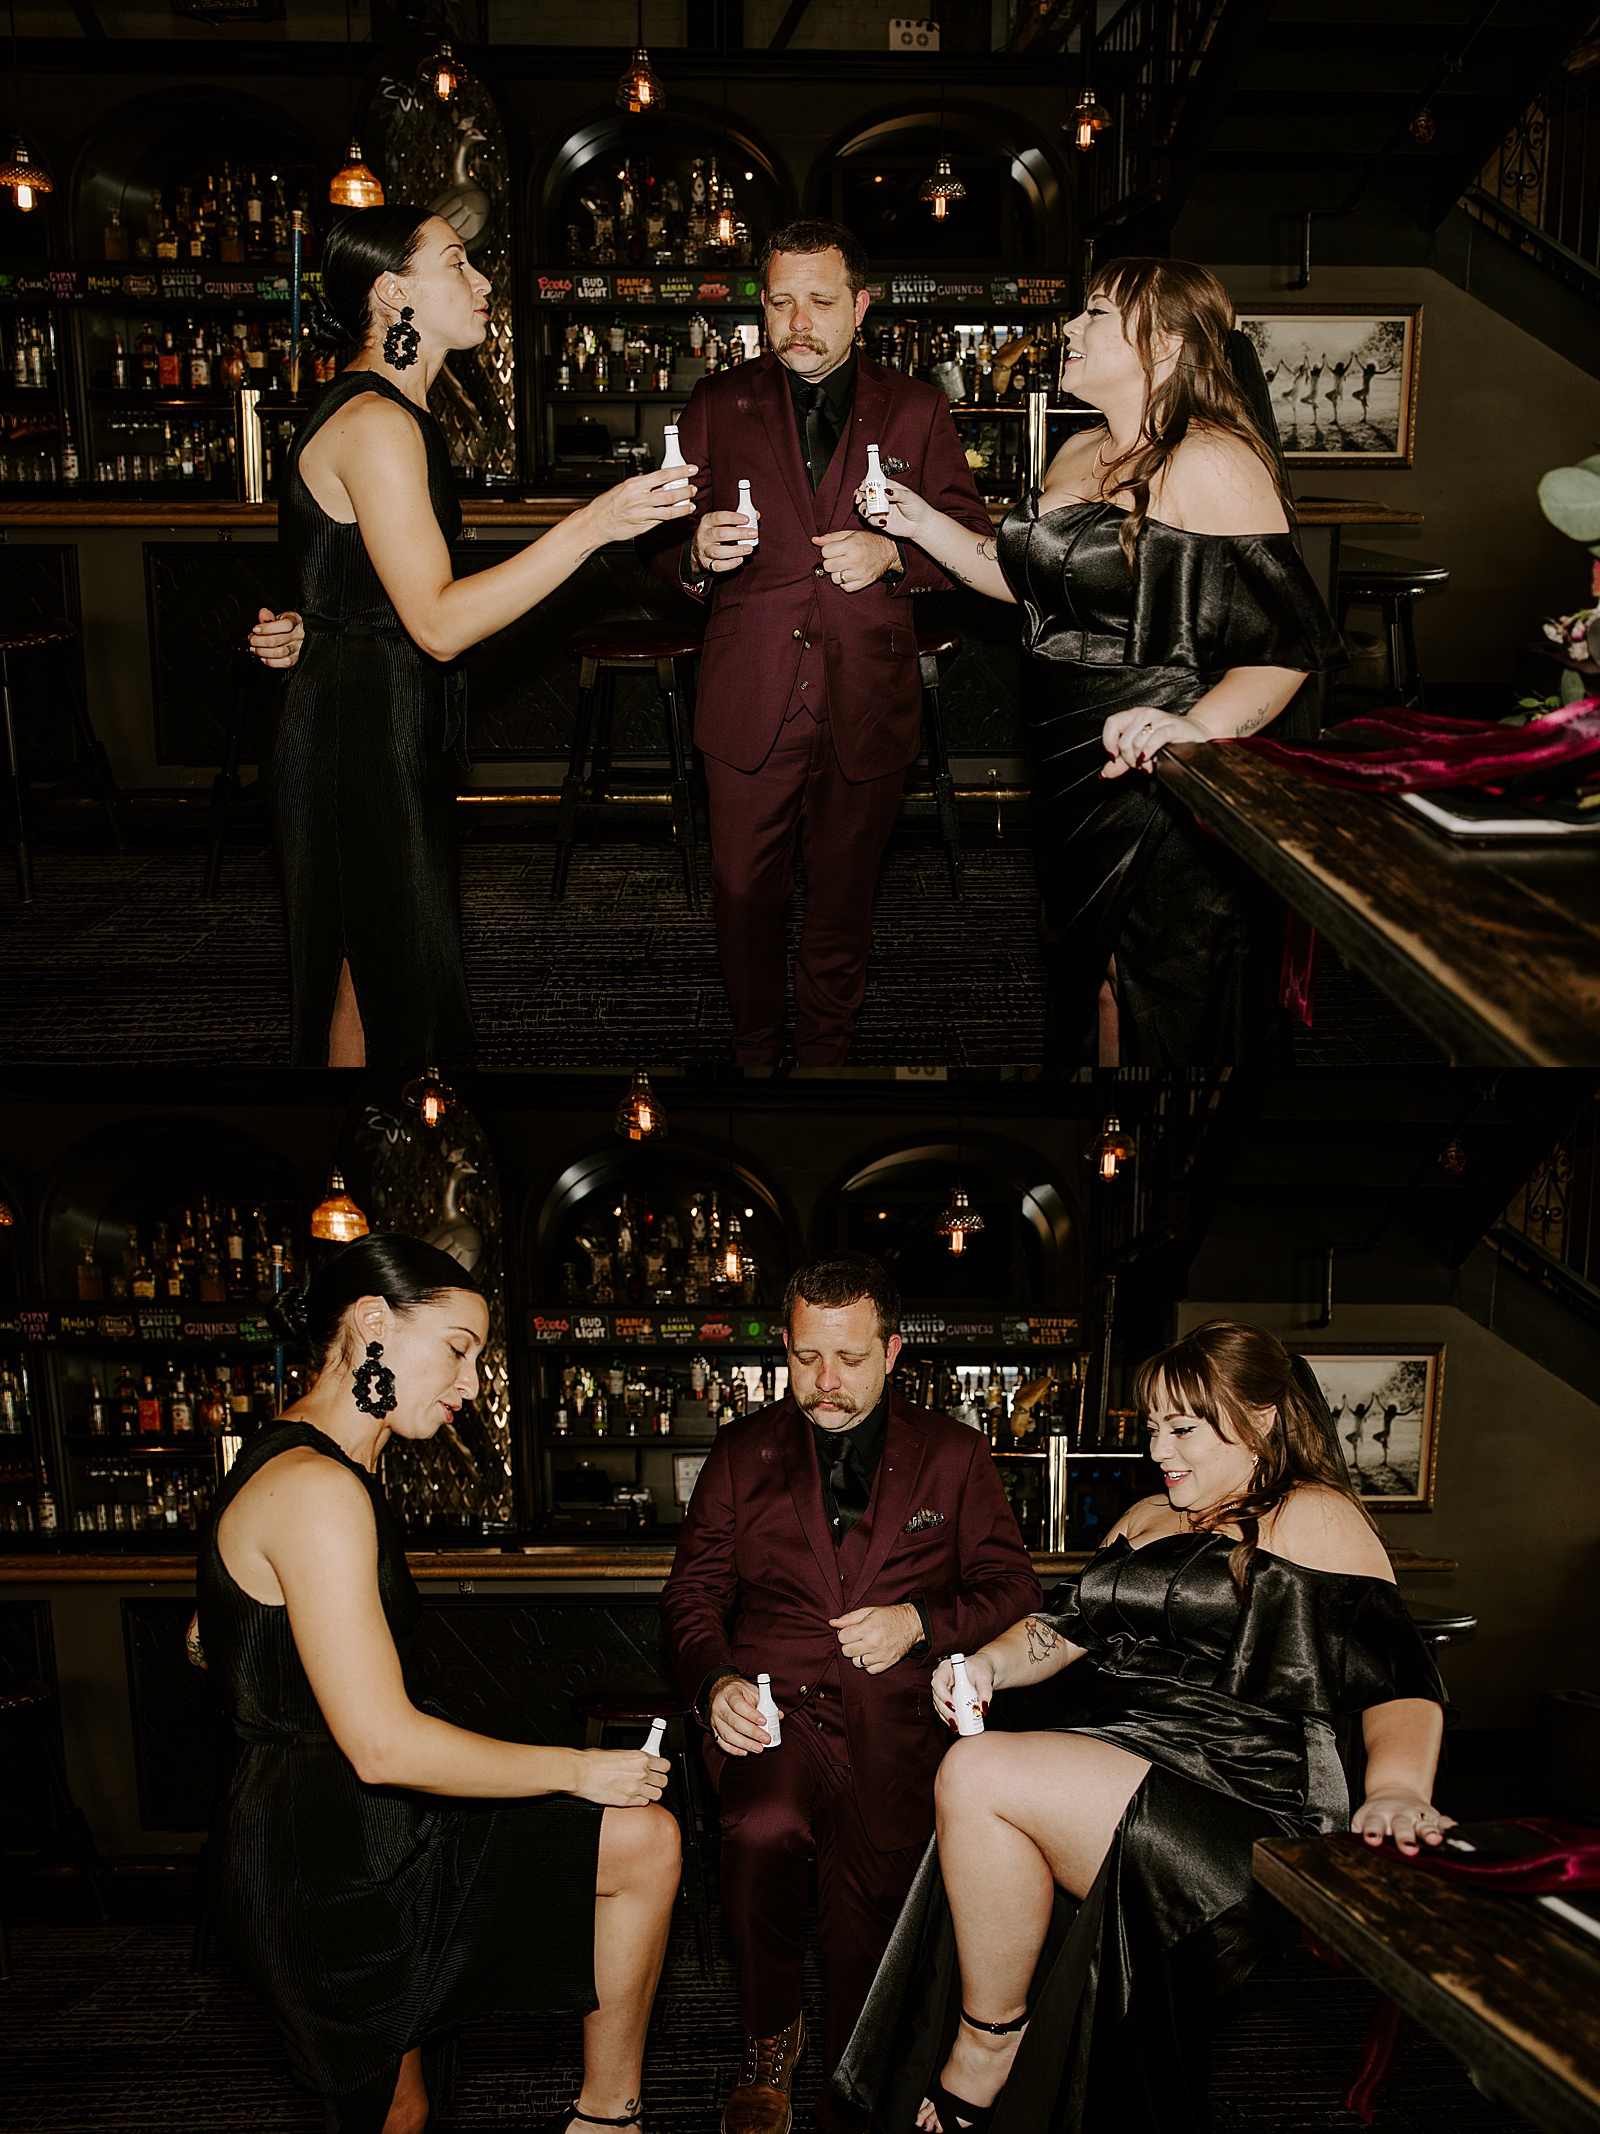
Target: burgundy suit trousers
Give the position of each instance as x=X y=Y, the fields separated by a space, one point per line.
x=778 y=1809
x=756 y=817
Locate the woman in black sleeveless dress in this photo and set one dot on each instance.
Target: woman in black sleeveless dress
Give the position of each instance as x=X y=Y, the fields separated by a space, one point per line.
x=1088 y=1905
x=383 y=1876
x=371 y=744
x=1164 y=600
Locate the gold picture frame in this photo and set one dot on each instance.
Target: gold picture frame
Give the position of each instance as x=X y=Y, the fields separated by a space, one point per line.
x=1342 y=380
x=1384 y=1398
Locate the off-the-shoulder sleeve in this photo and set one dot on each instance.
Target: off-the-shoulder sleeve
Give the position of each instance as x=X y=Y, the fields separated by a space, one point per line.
x=1060 y=1609
x=1320 y=1641
x=1215 y=601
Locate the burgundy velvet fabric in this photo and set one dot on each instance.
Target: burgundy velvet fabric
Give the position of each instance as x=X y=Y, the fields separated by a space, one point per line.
x=1412 y=751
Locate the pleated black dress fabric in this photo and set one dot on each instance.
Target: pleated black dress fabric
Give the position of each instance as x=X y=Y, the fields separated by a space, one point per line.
x=365 y=772
x=368 y=1918
x=1234 y=1702
x=1124 y=870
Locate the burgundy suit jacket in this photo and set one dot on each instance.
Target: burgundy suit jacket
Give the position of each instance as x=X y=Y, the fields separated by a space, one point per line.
x=740 y=423
x=757 y=1577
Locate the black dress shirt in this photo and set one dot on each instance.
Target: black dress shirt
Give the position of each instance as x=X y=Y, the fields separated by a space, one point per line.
x=848 y=1461
x=840 y=388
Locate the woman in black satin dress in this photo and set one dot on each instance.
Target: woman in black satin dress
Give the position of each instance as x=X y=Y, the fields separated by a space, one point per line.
x=382 y=1876
x=1164 y=600
x=370 y=749
x=1089 y=1903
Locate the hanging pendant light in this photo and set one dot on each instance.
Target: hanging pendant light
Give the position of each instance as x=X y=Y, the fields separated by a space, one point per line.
x=732 y=1261
x=430 y=1095
x=640 y=91
x=725 y=229
x=639 y=1116
x=337 y=1220
x=1110 y=1147
x=1088 y=119
x=443 y=75
x=8 y=1215
x=355 y=185
x=959 y=1221
x=940 y=189
x=25 y=175
x=1423 y=127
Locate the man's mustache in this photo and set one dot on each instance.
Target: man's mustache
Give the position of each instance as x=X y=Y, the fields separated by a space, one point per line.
x=796 y=340
x=831 y=1400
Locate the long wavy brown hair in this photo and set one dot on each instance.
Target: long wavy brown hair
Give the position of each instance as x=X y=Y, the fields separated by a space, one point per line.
x=1174 y=297
x=1227 y=1373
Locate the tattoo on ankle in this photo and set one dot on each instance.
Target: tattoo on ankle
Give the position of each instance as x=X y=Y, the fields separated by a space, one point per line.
x=1042 y=1640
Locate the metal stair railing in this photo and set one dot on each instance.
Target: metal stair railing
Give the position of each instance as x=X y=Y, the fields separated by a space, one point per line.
x=1551 y=1228
x=1540 y=189
x=1154 y=51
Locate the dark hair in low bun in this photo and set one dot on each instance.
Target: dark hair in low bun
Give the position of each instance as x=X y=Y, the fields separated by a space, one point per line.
x=361 y=245
x=402 y=1270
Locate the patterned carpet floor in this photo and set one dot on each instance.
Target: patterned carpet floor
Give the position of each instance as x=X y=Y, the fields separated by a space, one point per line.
x=119 y=960
x=107 y=2030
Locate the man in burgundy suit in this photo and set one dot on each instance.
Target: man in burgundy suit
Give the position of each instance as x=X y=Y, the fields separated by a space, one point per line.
x=842 y=1542
x=808 y=707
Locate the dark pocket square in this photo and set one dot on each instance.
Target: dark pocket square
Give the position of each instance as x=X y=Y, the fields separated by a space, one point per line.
x=896 y=466
x=919 y=1522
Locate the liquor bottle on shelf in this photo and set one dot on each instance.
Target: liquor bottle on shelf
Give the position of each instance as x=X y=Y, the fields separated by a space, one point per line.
x=127 y=1403
x=97 y=1409
x=91 y=1287
x=180 y=1406
x=165 y=234
x=13 y=1400
x=116 y=236
x=46 y=1505
x=150 y=1416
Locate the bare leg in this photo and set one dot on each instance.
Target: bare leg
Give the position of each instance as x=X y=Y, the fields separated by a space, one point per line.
x=409 y=2112
x=347 y=1041
x=634 y=1892
x=1109 y=1048
x=1017 y=1814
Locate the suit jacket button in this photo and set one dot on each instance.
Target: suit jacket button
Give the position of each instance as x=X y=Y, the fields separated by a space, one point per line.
x=807 y=646
x=818 y=572
x=807 y=685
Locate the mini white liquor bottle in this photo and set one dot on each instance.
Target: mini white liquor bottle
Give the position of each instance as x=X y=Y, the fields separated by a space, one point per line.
x=672 y=455
x=875 y=497
x=749 y=513
x=969 y=1712
x=767 y=1705
x=655 y=1737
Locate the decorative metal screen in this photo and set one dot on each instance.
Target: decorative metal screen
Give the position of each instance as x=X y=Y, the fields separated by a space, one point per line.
x=453 y=158
x=441 y=1183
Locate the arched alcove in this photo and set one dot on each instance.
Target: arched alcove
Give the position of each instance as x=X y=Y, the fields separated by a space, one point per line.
x=1027 y=1258
x=1017 y=212
x=593 y=156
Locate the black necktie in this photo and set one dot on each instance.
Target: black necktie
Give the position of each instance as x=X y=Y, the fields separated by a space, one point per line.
x=821 y=437
x=850 y=1492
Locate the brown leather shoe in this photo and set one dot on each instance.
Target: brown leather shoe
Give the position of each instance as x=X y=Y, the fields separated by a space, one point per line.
x=759 y=2102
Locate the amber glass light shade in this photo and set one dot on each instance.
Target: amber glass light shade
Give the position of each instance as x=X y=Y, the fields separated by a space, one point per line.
x=943 y=187
x=430 y=1095
x=959 y=1221
x=355 y=185
x=1111 y=1147
x=725 y=229
x=337 y=1220
x=640 y=89
x=25 y=175
x=443 y=75
x=8 y=1215
x=639 y=1116
x=1088 y=119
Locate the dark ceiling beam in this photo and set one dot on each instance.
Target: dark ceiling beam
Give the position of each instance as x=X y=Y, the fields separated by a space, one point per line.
x=88 y=21
x=793 y=15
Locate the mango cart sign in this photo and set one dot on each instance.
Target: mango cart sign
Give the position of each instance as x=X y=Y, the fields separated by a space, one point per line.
x=634 y=1329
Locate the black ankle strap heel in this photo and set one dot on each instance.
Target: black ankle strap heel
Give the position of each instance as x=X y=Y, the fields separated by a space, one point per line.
x=995 y=2030
x=558 y=2121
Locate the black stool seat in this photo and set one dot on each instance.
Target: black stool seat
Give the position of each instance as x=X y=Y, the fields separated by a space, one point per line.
x=938 y=644
x=1364 y=574
x=30 y=637
x=645 y=642
x=25 y=1736
x=1441 y=1626
x=671 y=648
x=22 y=1697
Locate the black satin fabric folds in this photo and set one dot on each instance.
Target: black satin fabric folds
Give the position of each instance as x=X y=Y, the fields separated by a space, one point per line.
x=368 y=1918
x=1234 y=1702
x=1124 y=870
x=364 y=776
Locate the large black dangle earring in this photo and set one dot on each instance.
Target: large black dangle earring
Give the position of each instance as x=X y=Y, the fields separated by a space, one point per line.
x=401 y=342
x=374 y=1383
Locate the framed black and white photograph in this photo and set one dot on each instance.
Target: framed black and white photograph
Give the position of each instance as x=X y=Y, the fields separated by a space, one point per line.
x=1342 y=381
x=1385 y=1407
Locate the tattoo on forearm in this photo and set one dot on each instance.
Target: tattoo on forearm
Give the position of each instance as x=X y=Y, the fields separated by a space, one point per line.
x=1256 y=721
x=986 y=551
x=1042 y=1640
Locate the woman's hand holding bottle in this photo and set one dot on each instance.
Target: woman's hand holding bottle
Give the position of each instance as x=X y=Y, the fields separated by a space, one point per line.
x=906 y=512
x=643 y=501
x=621 y=1778
x=980 y=1673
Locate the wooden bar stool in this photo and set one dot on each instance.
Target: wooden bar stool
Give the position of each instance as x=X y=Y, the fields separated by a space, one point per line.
x=91 y=766
x=1393 y=585
x=931 y=648
x=24 y=1742
x=604 y=652
x=631 y=1711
